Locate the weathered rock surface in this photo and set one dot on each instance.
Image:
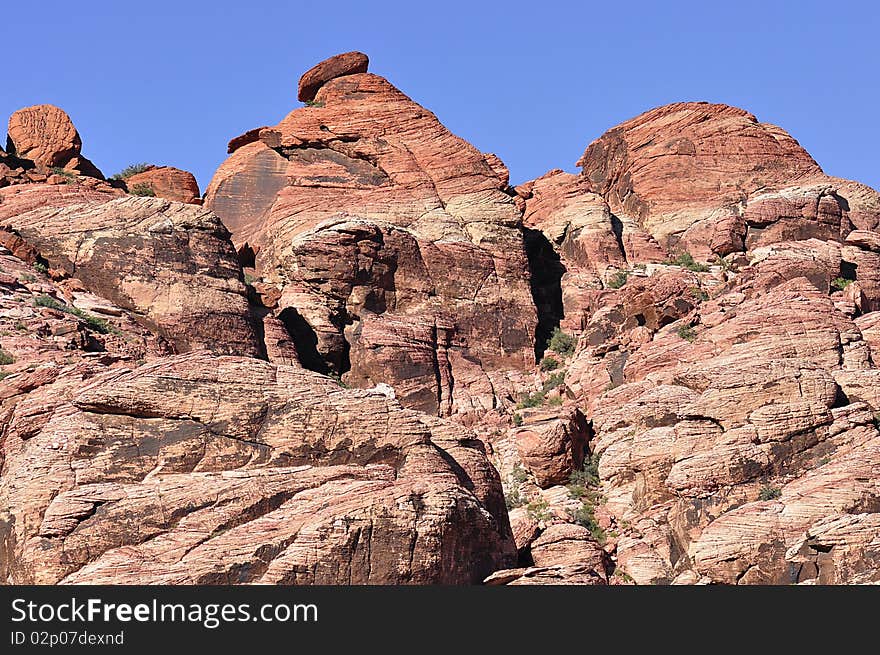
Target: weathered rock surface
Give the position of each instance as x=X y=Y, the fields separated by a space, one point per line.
x=395 y=245
x=167 y=182
x=206 y=469
x=171 y=264
x=45 y=135
x=313 y=79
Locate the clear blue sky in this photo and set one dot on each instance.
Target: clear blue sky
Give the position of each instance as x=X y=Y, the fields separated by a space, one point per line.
x=170 y=82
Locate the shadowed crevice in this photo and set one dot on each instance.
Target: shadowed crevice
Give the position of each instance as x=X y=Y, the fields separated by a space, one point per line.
x=546 y=285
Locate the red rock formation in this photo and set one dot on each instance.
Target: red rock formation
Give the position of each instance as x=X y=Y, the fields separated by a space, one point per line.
x=45 y=135
x=312 y=80
x=288 y=480
x=393 y=240
x=169 y=183
x=171 y=263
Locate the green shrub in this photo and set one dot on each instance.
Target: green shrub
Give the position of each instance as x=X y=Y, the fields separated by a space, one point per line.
x=588 y=473
x=769 y=493
x=50 y=302
x=69 y=178
x=686 y=260
x=143 y=190
x=128 y=171
x=5 y=374
x=539 y=510
x=687 y=333
x=554 y=380
x=549 y=363
x=723 y=263
x=699 y=294
x=97 y=324
x=40 y=267
x=20 y=326
x=517 y=420
x=313 y=103
x=531 y=400
x=841 y=283
x=250 y=279
x=5 y=358
x=585 y=516
x=556 y=401
x=618 y=279
x=513 y=499
x=561 y=343
x=519 y=474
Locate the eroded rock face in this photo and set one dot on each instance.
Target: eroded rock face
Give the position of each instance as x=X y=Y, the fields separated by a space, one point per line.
x=395 y=245
x=348 y=63
x=170 y=263
x=45 y=135
x=231 y=470
x=167 y=182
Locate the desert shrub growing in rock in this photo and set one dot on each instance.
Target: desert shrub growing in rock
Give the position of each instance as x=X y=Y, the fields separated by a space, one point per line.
x=554 y=380
x=549 y=363
x=686 y=260
x=535 y=399
x=143 y=190
x=618 y=279
x=5 y=358
x=128 y=171
x=841 y=283
x=687 y=333
x=769 y=493
x=561 y=343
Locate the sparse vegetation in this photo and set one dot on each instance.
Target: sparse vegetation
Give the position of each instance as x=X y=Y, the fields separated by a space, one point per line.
x=95 y=323
x=69 y=178
x=585 y=516
x=841 y=283
x=527 y=400
x=556 y=401
x=623 y=575
x=27 y=277
x=513 y=497
x=686 y=260
x=21 y=327
x=699 y=294
x=554 y=380
x=618 y=279
x=250 y=279
x=687 y=333
x=143 y=190
x=128 y=171
x=5 y=374
x=539 y=510
x=517 y=420
x=5 y=358
x=769 y=493
x=723 y=263
x=40 y=267
x=583 y=485
x=313 y=103
x=549 y=363
x=561 y=343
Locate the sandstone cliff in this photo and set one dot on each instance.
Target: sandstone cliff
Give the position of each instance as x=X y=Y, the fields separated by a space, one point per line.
x=369 y=359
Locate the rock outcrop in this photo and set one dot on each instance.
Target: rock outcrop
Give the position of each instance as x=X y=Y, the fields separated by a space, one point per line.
x=167 y=182
x=200 y=469
x=662 y=370
x=45 y=135
x=395 y=245
x=172 y=264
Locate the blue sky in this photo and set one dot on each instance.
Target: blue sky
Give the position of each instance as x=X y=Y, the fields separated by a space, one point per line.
x=534 y=82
